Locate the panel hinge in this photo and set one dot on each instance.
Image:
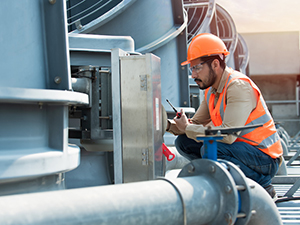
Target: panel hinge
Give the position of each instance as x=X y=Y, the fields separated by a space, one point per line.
x=143 y=82
x=145 y=156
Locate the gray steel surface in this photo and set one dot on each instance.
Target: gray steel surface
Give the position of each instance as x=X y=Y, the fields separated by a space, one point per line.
x=266 y=212
x=162 y=32
x=35 y=93
x=141 y=117
x=34 y=44
x=151 y=202
x=117 y=116
x=202 y=194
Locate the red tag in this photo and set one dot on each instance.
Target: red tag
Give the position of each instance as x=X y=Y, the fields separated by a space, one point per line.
x=169 y=155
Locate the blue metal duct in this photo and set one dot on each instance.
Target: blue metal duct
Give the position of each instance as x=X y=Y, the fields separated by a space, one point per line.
x=161 y=32
x=34 y=96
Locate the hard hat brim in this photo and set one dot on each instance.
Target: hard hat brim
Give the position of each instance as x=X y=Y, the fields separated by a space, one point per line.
x=185 y=63
x=189 y=61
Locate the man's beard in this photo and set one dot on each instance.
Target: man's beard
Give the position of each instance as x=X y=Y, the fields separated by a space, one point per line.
x=210 y=81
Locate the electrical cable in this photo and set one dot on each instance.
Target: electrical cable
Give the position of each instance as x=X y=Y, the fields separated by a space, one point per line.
x=287 y=198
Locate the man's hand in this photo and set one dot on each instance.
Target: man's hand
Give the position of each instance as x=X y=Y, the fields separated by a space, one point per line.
x=181 y=122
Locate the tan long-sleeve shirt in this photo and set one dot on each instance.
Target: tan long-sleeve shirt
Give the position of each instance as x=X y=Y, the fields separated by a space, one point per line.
x=240 y=100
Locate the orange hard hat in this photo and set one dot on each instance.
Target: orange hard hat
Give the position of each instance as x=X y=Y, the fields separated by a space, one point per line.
x=205 y=45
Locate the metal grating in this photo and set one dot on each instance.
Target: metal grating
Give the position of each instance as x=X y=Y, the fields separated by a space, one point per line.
x=207 y=16
x=226 y=29
x=289 y=211
x=81 y=12
x=243 y=55
x=200 y=14
x=289 y=215
x=281 y=189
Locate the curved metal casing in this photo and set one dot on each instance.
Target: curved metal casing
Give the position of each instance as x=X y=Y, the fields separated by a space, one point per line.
x=35 y=94
x=162 y=32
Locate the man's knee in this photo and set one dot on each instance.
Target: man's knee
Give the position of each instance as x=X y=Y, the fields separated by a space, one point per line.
x=181 y=138
x=179 y=142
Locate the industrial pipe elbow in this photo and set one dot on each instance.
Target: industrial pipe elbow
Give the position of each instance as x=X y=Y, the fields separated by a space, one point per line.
x=266 y=212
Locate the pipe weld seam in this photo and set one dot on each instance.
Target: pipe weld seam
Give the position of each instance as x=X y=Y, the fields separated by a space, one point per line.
x=180 y=195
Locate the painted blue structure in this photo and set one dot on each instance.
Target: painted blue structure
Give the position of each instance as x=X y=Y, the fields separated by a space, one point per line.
x=62 y=114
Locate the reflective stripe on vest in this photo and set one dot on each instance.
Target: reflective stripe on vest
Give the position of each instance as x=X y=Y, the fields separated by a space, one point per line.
x=264 y=138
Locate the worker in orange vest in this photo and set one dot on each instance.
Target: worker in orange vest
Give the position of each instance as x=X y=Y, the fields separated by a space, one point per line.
x=231 y=100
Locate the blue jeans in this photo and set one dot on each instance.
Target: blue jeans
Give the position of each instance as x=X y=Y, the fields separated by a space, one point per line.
x=255 y=164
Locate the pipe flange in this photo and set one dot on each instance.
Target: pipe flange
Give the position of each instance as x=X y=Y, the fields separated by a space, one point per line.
x=222 y=180
x=244 y=191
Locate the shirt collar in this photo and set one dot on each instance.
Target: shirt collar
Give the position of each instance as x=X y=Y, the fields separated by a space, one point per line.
x=222 y=81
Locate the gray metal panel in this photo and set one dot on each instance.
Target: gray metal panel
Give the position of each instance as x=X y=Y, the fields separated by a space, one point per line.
x=34 y=142
x=141 y=117
x=92 y=171
x=34 y=44
x=83 y=58
x=157 y=26
x=134 y=19
x=154 y=111
x=117 y=116
x=99 y=43
x=41 y=96
x=174 y=77
x=95 y=50
x=34 y=119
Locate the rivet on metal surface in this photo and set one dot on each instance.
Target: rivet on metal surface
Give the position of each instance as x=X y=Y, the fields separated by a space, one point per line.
x=240 y=187
x=52 y=2
x=228 y=218
x=241 y=215
x=145 y=157
x=191 y=168
x=212 y=169
x=252 y=186
x=143 y=82
x=228 y=189
x=78 y=25
x=225 y=166
x=57 y=79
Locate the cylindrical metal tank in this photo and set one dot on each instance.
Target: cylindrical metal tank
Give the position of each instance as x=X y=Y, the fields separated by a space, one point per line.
x=157 y=26
x=35 y=92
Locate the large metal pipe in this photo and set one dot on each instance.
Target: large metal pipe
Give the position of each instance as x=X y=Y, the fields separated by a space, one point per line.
x=208 y=197
x=266 y=212
x=178 y=162
x=151 y=202
x=82 y=85
x=207 y=194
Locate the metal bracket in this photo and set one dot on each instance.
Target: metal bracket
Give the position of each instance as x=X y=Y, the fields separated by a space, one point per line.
x=223 y=183
x=245 y=202
x=143 y=82
x=145 y=156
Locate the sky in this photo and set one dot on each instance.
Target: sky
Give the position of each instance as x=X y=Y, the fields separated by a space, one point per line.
x=263 y=15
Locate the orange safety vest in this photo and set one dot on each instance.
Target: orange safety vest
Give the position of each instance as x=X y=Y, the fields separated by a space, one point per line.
x=265 y=138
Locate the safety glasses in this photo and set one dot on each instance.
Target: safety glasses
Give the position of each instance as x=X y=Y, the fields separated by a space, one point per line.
x=198 y=67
